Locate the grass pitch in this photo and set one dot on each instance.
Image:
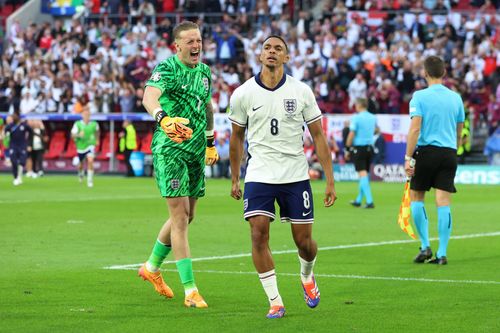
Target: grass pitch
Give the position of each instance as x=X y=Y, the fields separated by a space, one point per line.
x=57 y=238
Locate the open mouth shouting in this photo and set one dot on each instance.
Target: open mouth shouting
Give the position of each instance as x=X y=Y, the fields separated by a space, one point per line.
x=195 y=55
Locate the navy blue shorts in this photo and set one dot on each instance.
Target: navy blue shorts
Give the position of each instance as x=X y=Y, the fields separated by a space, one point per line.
x=295 y=201
x=18 y=156
x=90 y=152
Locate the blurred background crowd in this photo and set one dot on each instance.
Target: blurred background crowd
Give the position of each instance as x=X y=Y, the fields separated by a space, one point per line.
x=341 y=49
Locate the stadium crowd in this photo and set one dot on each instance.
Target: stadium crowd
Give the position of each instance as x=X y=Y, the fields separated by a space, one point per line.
x=375 y=51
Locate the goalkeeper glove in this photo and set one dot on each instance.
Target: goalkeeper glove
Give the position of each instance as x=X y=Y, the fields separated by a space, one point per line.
x=211 y=155
x=174 y=127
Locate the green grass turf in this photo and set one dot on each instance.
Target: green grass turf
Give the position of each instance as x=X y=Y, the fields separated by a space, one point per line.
x=56 y=236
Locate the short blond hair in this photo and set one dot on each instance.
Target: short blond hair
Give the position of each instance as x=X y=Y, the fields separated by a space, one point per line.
x=362 y=102
x=184 y=26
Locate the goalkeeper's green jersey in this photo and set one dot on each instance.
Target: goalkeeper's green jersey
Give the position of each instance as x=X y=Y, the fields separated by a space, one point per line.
x=185 y=93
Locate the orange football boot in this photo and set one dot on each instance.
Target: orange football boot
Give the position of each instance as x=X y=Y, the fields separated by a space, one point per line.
x=195 y=300
x=157 y=281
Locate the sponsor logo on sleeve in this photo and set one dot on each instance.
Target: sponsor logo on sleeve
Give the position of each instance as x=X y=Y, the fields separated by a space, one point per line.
x=205 y=83
x=156 y=77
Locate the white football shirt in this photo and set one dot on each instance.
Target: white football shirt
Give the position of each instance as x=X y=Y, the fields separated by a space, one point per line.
x=274 y=119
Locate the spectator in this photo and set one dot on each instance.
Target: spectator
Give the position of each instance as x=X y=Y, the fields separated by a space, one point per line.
x=357 y=89
x=127 y=144
x=46 y=40
x=226 y=45
x=38 y=141
x=164 y=31
x=223 y=97
x=82 y=103
x=338 y=98
x=494 y=108
x=378 y=147
x=492 y=148
x=388 y=98
x=223 y=150
x=138 y=107
x=334 y=148
x=406 y=81
x=126 y=97
x=164 y=52
x=345 y=133
x=28 y=103
x=147 y=10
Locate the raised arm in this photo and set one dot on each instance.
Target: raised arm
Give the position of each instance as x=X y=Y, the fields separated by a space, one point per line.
x=174 y=127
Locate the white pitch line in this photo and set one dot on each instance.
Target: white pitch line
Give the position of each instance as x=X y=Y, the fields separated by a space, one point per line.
x=103 y=198
x=75 y=221
x=349 y=276
x=326 y=248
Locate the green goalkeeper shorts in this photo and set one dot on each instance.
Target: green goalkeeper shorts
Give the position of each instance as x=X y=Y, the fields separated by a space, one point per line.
x=179 y=175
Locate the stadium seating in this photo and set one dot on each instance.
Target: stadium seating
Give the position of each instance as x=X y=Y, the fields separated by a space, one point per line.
x=6 y=10
x=146 y=143
x=56 y=146
x=71 y=150
x=105 y=147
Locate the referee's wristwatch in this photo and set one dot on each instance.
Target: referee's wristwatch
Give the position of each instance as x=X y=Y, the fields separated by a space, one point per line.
x=411 y=160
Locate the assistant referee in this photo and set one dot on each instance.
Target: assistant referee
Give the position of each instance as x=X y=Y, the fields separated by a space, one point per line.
x=437 y=117
x=360 y=145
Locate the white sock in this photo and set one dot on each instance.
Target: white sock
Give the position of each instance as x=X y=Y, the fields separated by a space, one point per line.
x=306 y=270
x=20 y=172
x=151 y=268
x=90 y=176
x=270 y=285
x=188 y=291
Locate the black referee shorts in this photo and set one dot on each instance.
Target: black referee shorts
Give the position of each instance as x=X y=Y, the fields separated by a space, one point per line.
x=435 y=167
x=362 y=157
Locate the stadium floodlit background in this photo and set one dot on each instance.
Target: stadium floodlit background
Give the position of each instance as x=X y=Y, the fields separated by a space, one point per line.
x=69 y=254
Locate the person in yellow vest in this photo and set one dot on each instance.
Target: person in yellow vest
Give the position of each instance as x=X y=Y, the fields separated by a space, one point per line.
x=128 y=143
x=464 y=148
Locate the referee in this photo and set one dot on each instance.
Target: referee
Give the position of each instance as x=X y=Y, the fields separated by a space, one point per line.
x=360 y=146
x=437 y=117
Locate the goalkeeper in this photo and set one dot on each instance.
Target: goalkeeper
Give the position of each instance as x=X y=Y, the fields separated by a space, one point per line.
x=178 y=96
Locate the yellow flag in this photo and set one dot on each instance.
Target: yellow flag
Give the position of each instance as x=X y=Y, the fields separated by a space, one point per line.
x=404 y=213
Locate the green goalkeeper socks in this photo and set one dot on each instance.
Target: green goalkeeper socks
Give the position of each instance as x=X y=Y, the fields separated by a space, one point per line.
x=159 y=253
x=185 y=268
